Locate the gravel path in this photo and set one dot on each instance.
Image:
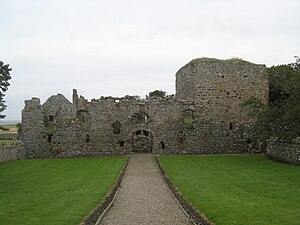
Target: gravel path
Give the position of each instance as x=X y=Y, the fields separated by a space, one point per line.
x=144 y=197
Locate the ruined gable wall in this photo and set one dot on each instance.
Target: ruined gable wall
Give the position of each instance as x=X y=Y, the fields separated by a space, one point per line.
x=59 y=107
x=33 y=129
x=165 y=116
x=104 y=113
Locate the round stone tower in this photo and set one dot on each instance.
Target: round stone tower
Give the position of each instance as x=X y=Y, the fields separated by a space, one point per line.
x=220 y=86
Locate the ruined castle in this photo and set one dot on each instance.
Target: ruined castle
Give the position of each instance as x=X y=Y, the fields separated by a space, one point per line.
x=204 y=116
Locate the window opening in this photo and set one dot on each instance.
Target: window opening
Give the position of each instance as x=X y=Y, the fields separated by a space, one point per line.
x=50 y=138
x=116 y=127
x=181 y=140
x=122 y=143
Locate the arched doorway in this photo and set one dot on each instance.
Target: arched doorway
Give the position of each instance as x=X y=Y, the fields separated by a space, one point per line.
x=142 y=141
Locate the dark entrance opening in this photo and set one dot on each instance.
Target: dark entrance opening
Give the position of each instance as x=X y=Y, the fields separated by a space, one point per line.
x=142 y=141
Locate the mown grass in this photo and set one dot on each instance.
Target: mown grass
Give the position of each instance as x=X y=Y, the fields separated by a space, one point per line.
x=61 y=191
x=244 y=190
x=7 y=141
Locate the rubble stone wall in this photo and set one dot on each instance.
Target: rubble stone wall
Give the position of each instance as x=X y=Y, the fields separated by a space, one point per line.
x=204 y=117
x=220 y=86
x=12 y=151
x=285 y=151
x=58 y=108
x=33 y=129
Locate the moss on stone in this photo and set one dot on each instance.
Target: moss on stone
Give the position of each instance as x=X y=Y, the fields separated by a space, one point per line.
x=233 y=60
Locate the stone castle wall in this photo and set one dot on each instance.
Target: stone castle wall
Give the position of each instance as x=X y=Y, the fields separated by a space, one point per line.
x=203 y=118
x=284 y=151
x=57 y=108
x=33 y=129
x=11 y=151
x=96 y=135
x=220 y=86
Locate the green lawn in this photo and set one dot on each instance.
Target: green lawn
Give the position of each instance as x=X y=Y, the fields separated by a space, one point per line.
x=7 y=141
x=54 y=191
x=244 y=190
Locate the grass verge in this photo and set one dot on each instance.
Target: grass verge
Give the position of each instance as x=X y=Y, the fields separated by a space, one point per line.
x=245 y=190
x=7 y=141
x=61 y=191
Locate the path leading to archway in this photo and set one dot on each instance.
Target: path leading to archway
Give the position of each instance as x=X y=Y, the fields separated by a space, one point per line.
x=144 y=197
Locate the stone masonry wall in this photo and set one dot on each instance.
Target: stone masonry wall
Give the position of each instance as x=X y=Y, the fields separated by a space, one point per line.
x=58 y=108
x=33 y=129
x=220 y=86
x=205 y=116
x=163 y=120
x=285 y=151
x=12 y=151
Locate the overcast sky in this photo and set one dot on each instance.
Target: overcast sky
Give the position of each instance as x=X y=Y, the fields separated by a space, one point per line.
x=119 y=47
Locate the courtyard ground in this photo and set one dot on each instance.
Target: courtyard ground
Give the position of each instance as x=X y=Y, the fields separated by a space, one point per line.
x=144 y=197
x=245 y=190
x=54 y=191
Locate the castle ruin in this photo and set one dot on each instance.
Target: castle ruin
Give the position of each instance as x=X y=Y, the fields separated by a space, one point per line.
x=204 y=116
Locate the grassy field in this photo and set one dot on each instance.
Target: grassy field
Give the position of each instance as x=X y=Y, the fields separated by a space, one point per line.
x=7 y=141
x=244 y=190
x=11 y=129
x=55 y=191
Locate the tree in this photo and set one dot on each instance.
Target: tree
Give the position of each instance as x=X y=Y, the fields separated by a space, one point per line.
x=4 y=78
x=19 y=128
x=281 y=118
x=157 y=94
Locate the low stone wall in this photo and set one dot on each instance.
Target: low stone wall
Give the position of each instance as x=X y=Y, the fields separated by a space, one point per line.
x=284 y=151
x=11 y=151
x=9 y=136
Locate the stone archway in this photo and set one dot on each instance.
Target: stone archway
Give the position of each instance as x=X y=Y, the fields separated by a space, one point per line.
x=142 y=141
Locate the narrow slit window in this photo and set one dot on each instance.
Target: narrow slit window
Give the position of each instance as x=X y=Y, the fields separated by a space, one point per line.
x=121 y=143
x=181 y=140
x=50 y=138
